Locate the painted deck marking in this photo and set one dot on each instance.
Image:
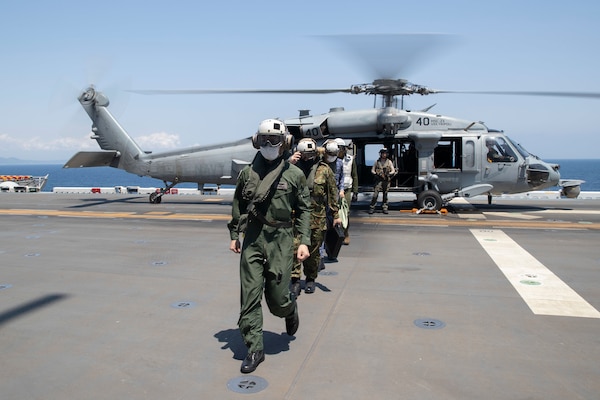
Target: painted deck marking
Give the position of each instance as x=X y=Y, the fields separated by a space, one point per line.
x=543 y=291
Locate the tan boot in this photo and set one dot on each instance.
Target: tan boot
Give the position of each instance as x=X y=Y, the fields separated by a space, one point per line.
x=347 y=240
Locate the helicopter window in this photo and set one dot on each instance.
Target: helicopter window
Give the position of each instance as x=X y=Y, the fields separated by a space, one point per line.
x=371 y=153
x=519 y=148
x=446 y=154
x=499 y=150
x=407 y=162
x=469 y=154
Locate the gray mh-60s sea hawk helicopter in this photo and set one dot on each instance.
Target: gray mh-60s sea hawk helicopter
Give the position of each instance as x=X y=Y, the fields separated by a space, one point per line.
x=438 y=157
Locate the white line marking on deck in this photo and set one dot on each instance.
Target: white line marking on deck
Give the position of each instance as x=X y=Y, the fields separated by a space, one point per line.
x=542 y=290
x=466 y=210
x=511 y=215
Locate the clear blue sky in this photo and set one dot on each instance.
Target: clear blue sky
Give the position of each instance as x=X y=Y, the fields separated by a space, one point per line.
x=51 y=50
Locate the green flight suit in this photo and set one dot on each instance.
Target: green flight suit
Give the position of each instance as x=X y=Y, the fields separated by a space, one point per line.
x=267 y=253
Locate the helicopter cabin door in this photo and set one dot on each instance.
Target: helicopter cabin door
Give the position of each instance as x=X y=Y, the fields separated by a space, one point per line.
x=470 y=163
x=448 y=163
x=499 y=163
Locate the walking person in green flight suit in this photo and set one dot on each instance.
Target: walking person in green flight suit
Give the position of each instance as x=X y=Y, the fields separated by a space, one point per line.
x=271 y=203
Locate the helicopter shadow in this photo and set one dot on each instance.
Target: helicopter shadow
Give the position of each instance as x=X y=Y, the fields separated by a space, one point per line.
x=506 y=207
x=144 y=200
x=103 y=201
x=232 y=339
x=31 y=306
x=363 y=206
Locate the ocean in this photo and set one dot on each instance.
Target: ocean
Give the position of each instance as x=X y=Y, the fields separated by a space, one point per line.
x=587 y=170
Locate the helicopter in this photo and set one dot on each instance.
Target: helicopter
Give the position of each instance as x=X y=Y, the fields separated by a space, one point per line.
x=437 y=157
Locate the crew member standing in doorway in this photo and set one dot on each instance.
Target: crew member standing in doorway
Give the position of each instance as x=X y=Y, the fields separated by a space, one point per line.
x=383 y=171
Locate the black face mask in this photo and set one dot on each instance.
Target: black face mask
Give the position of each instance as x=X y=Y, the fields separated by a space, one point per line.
x=305 y=165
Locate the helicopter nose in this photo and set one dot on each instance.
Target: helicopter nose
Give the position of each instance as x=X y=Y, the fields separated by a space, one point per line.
x=542 y=175
x=554 y=176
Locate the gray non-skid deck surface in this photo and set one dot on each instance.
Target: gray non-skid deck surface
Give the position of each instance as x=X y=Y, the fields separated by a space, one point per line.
x=96 y=308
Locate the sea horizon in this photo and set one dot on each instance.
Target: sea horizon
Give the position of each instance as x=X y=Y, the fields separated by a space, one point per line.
x=583 y=169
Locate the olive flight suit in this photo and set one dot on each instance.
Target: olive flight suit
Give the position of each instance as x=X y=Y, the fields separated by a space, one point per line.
x=267 y=253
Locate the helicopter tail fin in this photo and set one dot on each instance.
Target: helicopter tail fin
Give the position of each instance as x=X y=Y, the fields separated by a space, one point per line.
x=120 y=150
x=92 y=159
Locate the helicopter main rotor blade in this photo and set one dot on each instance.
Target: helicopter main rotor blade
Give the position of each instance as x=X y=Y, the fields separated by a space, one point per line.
x=389 y=56
x=587 y=95
x=239 y=91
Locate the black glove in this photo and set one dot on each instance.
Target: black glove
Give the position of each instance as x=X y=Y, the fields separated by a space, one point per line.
x=354 y=197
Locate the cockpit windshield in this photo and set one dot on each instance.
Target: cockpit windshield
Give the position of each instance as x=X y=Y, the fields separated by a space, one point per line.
x=499 y=150
x=519 y=148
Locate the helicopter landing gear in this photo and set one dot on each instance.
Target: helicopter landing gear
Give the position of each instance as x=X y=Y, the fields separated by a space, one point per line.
x=429 y=200
x=156 y=197
x=489 y=199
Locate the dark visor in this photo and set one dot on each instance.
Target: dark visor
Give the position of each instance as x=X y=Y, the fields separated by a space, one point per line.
x=273 y=140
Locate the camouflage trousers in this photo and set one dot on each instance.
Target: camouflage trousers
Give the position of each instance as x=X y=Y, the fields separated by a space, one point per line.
x=311 y=264
x=381 y=186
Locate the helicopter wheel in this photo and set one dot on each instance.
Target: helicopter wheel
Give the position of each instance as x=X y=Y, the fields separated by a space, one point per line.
x=155 y=198
x=429 y=200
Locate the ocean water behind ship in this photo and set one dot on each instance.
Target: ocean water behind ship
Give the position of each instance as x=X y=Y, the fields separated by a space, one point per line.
x=587 y=170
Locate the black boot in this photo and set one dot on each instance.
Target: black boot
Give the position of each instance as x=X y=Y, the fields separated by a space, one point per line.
x=321 y=265
x=295 y=287
x=292 y=322
x=252 y=360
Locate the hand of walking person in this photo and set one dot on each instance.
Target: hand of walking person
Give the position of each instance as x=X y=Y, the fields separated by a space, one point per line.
x=235 y=246
x=303 y=252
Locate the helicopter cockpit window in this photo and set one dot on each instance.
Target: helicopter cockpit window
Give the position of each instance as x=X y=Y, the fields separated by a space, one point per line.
x=519 y=148
x=499 y=150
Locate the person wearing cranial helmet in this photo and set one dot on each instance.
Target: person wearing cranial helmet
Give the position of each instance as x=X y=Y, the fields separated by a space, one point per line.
x=331 y=156
x=349 y=180
x=323 y=197
x=271 y=206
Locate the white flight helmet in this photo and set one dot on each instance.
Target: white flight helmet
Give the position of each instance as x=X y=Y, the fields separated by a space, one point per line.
x=272 y=132
x=340 y=142
x=331 y=148
x=307 y=147
x=271 y=127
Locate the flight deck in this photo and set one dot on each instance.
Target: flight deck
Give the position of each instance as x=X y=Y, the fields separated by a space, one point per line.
x=108 y=296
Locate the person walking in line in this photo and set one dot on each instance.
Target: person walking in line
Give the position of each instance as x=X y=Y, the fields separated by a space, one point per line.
x=349 y=179
x=270 y=205
x=323 y=195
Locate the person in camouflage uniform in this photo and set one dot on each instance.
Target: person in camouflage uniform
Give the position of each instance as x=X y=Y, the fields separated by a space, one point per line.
x=270 y=207
x=383 y=170
x=323 y=193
